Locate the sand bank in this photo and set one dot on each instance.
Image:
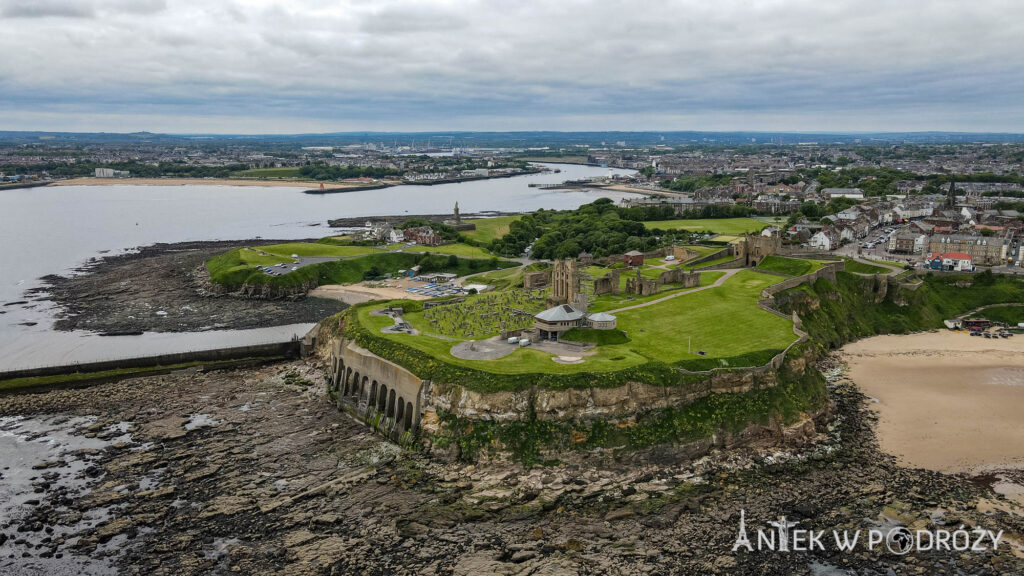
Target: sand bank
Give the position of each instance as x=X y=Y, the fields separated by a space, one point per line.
x=358 y=293
x=305 y=185
x=946 y=401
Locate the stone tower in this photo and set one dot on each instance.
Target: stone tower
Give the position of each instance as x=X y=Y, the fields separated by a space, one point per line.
x=458 y=217
x=951 y=196
x=565 y=282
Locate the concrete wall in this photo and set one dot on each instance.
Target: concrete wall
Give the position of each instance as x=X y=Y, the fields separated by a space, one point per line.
x=286 y=349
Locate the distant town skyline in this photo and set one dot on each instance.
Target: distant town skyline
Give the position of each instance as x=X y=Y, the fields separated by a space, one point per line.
x=310 y=66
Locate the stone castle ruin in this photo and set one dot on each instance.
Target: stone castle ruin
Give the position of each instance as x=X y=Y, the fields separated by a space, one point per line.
x=566 y=287
x=607 y=284
x=753 y=249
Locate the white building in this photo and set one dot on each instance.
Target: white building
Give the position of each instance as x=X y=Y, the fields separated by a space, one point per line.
x=825 y=239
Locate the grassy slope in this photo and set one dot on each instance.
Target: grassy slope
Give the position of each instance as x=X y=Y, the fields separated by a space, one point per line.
x=317 y=249
x=488 y=229
x=1012 y=315
x=235 y=268
x=717 y=225
x=724 y=321
x=837 y=313
x=862 y=268
x=788 y=266
x=458 y=249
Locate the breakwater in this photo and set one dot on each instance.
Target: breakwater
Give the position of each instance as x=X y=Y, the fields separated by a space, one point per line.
x=288 y=349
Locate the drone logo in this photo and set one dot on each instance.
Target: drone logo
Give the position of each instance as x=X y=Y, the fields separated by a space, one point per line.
x=899 y=541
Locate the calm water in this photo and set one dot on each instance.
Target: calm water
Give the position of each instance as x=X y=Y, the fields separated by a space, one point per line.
x=53 y=230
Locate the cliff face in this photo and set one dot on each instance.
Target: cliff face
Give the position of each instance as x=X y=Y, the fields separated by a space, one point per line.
x=587 y=403
x=719 y=408
x=204 y=286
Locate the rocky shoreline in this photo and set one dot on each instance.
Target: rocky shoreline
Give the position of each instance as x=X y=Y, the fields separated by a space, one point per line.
x=254 y=472
x=395 y=219
x=163 y=288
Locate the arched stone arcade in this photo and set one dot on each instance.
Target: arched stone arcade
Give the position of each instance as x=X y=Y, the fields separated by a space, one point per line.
x=366 y=384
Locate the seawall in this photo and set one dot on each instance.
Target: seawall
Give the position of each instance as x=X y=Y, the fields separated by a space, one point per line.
x=288 y=349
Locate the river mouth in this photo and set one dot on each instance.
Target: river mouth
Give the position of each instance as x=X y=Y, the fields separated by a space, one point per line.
x=947 y=402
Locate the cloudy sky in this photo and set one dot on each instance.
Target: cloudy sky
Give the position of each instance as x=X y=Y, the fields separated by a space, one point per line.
x=262 y=66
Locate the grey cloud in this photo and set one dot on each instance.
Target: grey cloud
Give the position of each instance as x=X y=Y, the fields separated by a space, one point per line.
x=526 y=63
x=78 y=8
x=45 y=8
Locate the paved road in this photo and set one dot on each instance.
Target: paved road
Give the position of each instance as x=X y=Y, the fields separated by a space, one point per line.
x=728 y=274
x=892 y=270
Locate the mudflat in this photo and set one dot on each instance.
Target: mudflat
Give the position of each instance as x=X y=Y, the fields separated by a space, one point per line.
x=125 y=292
x=88 y=181
x=946 y=401
x=255 y=471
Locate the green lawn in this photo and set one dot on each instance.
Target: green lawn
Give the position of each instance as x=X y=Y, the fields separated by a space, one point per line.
x=317 y=249
x=788 y=266
x=608 y=302
x=269 y=173
x=862 y=268
x=718 y=225
x=458 y=249
x=725 y=322
x=488 y=229
x=599 y=337
x=889 y=262
x=703 y=250
x=710 y=262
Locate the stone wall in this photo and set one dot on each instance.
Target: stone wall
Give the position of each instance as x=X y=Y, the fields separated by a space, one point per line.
x=680 y=276
x=725 y=251
x=607 y=284
x=387 y=396
x=534 y=280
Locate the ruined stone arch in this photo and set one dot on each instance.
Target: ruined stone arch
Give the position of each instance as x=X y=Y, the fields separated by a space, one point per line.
x=382 y=398
x=391 y=404
x=408 y=416
x=373 y=394
x=400 y=412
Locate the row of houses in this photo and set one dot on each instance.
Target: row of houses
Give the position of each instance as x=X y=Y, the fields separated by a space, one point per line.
x=384 y=232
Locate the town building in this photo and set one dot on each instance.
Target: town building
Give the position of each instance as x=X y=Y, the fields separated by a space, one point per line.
x=554 y=322
x=907 y=243
x=984 y=250
x=423 y=235
x=853 y=193
x=951 y=261
x=826 y=239
x=633 y=258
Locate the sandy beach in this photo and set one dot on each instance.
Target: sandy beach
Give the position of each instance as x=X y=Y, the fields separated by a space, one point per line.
x=359 y=293
x=946 y=401
x=204 y=182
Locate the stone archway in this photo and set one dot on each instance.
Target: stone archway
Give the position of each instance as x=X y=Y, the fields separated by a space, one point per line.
x=382 y=398
x=408 y=416
x=399 y=413
x=391 y=404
